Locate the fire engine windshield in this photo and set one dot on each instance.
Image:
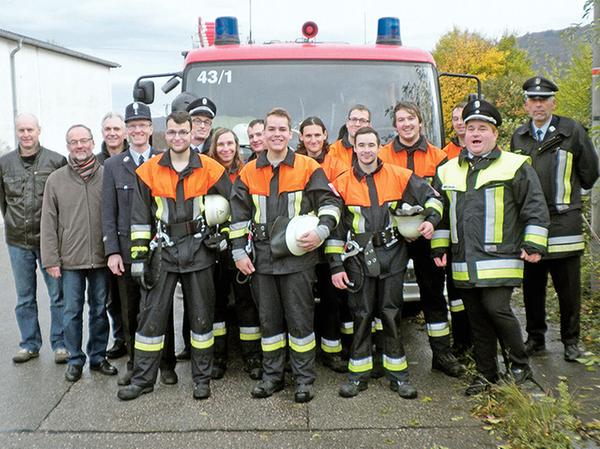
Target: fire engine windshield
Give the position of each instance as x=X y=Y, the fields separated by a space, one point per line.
x=245 y=90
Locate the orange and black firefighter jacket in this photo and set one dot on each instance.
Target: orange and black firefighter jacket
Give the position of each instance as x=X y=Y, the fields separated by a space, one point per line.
x=370 y=203
x=565 y=162
x=452 y=150
x=493 y=208
x=343 y=150
x=261 y=193
x=176 y=201
x=423 y=158
x=332 y=166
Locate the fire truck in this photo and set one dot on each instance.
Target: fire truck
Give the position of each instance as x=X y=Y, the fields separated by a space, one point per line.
x=308 y=78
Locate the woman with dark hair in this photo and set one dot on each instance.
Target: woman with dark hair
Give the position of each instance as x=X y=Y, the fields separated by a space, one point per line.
x=225 y=149
x=332 y=316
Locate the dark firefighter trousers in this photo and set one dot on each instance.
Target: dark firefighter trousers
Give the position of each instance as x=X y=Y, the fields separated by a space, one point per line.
x=156 y=306
x=382 y=298
x=245 y=312
x=566 y=277
x=492 y=320
x=431 y=287
x=130 y=294
x=461 y=332
x=331 y=313
x=285 y=301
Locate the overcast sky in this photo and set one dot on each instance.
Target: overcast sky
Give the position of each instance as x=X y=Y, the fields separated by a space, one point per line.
x=148 y=36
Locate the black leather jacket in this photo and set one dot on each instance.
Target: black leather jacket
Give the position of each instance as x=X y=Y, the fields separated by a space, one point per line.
x=21 y=193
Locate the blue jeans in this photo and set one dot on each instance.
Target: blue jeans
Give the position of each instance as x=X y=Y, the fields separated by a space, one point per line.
x=74 y=283
x=24 y=264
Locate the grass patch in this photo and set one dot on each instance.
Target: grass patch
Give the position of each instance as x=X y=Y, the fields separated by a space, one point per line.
x=525 y=421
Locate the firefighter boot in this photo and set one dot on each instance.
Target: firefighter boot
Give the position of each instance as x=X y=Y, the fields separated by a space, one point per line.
x=351 y=388
x=133 y=392
x=202 y=390
x=303 y=393
x=218 y=368
x=335 y=362
x=254 y=368
x=447 y=363
x=266 y=388
x=404 y=389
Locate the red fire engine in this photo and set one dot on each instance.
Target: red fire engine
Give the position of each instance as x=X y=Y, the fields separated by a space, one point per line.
x=308 y=78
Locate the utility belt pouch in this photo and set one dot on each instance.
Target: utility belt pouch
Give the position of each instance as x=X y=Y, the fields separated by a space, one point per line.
x=260 y=232
x=371 y=261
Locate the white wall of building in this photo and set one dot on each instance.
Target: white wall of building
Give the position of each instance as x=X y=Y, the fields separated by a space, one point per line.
x=61 y=90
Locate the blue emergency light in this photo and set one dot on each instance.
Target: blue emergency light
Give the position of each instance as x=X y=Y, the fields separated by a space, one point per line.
x=388 y=31
x=226 y=31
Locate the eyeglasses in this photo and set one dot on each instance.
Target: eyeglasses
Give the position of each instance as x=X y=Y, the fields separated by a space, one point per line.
x=203 y=122
x=75 y=142
x=180 y=133
x=356 y=120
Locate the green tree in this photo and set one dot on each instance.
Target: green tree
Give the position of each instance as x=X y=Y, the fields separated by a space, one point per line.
x=501 y=66
x=574 y=80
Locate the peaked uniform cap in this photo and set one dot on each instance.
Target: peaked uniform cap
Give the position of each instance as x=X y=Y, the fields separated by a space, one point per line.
x=202 y=106
x=482 y=110
x=137 y=111
x=538 y=86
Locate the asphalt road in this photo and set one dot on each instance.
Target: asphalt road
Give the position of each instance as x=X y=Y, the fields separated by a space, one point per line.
x=40 y=409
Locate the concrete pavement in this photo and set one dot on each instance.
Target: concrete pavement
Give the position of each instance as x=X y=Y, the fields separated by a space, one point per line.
x=41 y=409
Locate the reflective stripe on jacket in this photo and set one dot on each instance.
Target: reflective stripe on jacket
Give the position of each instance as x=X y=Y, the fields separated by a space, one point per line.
x=371 y=201
x=565 y=162
x=494 y=207
x=262 y=193
x=163 y=194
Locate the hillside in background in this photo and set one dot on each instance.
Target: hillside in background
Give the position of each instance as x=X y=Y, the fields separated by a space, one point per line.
x=547 y=47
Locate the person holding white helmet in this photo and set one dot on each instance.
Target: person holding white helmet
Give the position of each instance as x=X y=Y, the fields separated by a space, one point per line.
x=225 y=149
x=376 y=258
x=169 y=244
x=270 y=191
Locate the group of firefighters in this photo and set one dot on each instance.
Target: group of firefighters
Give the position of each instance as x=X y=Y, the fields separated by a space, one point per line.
x=334 y=222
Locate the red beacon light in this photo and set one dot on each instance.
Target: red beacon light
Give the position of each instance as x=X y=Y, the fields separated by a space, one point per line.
x=310 y=30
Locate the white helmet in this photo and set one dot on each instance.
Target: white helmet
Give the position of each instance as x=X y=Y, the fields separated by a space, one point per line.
x=216 y=209
x=408 y=225
x=295 y=228
x=241 y=131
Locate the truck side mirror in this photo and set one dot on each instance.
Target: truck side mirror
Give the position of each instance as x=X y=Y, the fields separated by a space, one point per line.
x=171 y=84
x=143 y=91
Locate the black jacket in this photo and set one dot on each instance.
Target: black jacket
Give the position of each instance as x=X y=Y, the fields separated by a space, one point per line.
x=493 y=208
x=104 y=154
x=565 y=162
x=117 y=195
x=21 y=193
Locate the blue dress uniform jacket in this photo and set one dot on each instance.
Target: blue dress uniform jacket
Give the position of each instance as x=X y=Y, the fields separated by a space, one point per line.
x=565 y=162
x=117 y=197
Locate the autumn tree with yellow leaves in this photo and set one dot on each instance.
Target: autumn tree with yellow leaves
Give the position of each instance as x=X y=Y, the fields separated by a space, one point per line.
x=501 y=66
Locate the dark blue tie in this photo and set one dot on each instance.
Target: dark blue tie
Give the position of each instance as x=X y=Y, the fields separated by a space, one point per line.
x=539 y=135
